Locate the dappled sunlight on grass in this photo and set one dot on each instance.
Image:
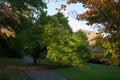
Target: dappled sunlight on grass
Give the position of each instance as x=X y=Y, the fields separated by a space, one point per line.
x=17 y=64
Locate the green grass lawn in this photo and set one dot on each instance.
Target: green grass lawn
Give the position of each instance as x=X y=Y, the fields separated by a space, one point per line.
x=91 y=72
x=86 y=72
x=10 y=60
x=8 y=74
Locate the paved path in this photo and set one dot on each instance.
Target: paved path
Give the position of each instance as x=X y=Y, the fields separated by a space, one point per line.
x=43 y=75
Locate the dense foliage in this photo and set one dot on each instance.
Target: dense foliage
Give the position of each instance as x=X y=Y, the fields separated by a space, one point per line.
x=21 y=12
x=106 y=15
x=38 y=34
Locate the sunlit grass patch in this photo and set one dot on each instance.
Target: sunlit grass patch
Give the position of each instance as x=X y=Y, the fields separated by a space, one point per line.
x=91 y=72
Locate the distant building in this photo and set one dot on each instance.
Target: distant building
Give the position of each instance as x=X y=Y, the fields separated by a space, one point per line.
x=90 y=35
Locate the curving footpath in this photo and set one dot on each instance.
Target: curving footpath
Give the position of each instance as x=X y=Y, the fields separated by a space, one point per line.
x=43 y=75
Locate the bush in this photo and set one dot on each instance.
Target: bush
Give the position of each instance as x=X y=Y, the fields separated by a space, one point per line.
x=101 y=59
x=60 y=56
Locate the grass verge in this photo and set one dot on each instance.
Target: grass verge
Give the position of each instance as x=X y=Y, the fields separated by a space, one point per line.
x=10 y=60
x=91 y=72
x=10 y=74
x=7 y=74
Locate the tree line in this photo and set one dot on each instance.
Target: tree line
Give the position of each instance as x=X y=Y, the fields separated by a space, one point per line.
x=34 y=32
x=40 y=35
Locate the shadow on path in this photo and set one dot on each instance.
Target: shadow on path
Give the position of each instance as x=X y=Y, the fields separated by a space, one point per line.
x=43 y=75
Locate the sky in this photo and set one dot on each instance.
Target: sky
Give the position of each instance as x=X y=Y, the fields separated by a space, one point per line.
x=72 y=10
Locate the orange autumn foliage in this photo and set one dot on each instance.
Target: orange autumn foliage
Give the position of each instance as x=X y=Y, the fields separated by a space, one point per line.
x=5 y=30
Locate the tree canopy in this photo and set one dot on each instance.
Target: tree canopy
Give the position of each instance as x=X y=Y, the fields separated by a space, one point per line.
x=106 y=15
x=39 y=33
x=14 y=11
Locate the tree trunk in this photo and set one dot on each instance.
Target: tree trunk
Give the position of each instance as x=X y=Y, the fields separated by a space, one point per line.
x=35 y=57
x=35 y=54
x=35 y=60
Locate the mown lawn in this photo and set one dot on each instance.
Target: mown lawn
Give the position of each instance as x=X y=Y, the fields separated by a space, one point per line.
x=7 y=74
x=91 y=72
x=10 y=60
x=10 y=74
x=86 y=72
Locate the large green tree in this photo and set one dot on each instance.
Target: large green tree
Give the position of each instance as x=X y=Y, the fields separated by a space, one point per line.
x=67 y=48
x=42 y=33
